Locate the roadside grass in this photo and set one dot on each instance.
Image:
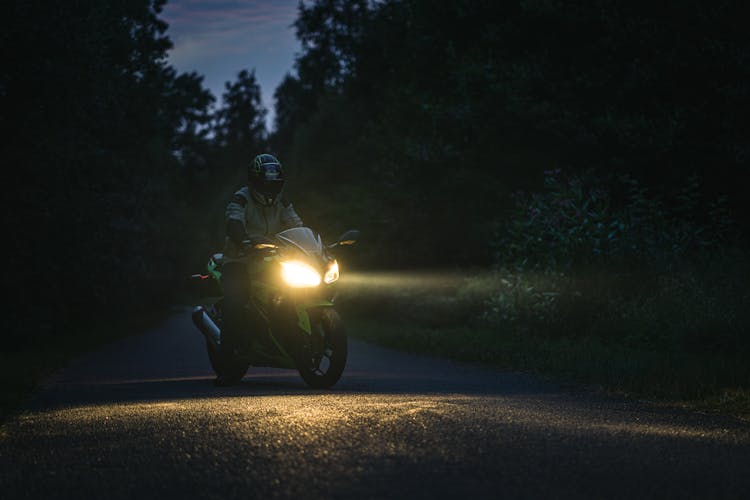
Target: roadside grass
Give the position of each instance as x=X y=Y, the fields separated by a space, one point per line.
x=680 y=379
x=680 y=338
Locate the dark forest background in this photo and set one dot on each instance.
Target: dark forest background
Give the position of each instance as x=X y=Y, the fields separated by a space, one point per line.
x=454 y=134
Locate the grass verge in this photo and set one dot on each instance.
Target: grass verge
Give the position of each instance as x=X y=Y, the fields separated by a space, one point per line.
x=677 y=379
x=679 y=338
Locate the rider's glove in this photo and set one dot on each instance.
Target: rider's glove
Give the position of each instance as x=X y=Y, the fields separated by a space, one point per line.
x=257 y=244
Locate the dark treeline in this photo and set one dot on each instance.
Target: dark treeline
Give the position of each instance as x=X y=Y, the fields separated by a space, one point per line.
x=412 y=120
x=114 y=164
x=433 y=113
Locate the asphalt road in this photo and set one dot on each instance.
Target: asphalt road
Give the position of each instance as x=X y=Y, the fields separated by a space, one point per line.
x=141 y=419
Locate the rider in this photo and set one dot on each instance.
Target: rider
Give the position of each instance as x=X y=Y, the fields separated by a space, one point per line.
x=255 y=213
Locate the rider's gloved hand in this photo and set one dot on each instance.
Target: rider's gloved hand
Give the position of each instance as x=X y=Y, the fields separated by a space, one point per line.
x=259 y=240
x=257 y=244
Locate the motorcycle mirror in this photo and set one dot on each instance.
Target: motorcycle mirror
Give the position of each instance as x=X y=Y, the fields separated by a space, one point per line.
x=348 y=238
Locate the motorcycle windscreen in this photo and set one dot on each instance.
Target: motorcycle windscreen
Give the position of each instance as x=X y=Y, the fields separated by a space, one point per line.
x=304 y=239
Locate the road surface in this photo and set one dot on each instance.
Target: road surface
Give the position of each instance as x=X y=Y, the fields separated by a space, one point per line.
x=141 y=419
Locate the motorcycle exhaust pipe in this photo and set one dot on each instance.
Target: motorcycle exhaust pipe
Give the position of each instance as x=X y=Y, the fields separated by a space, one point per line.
x=206 y=325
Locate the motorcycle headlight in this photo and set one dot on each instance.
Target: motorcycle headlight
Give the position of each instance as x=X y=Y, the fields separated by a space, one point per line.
x=333 y=272
x=299 y=274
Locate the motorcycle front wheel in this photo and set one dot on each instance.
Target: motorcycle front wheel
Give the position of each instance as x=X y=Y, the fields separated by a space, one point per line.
x=321 y=361
x=227 y=367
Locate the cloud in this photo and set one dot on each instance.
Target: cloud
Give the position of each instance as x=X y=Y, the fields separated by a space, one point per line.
x=201 y=29
x=218 y=38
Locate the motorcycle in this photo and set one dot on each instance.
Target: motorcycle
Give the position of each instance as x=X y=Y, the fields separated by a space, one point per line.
x=290 y=316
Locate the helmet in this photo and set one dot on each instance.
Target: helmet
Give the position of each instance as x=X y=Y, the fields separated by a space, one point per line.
x=265 y=178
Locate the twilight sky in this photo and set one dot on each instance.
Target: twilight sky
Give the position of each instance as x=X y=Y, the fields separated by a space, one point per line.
x=218 y=38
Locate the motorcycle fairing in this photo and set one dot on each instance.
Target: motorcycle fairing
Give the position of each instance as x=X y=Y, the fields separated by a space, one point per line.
x=303 y=316
x=304 y=239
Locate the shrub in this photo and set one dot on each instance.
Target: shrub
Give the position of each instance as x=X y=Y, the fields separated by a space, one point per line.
x=587 y=219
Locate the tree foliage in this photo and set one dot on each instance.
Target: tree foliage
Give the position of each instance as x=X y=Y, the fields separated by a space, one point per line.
x=240 y=123
x=445 y=108
x=588 y=220
x=104 y=144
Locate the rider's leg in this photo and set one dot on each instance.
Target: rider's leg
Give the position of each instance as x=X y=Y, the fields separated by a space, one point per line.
x=236 y=293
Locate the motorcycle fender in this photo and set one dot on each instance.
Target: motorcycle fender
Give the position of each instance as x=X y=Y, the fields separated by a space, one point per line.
x=303 y=317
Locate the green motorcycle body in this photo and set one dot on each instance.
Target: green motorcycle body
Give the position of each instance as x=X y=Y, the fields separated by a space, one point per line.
x=291 y=321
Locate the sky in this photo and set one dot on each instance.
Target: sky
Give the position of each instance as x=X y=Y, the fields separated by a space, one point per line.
x=220 y=38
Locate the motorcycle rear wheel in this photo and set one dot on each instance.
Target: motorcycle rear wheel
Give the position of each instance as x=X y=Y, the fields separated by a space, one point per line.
x=321 y=363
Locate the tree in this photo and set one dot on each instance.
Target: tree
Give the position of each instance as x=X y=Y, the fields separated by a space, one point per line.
x=240 y=122
x=443 y=108
x=92 y=116
x=190 y=119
